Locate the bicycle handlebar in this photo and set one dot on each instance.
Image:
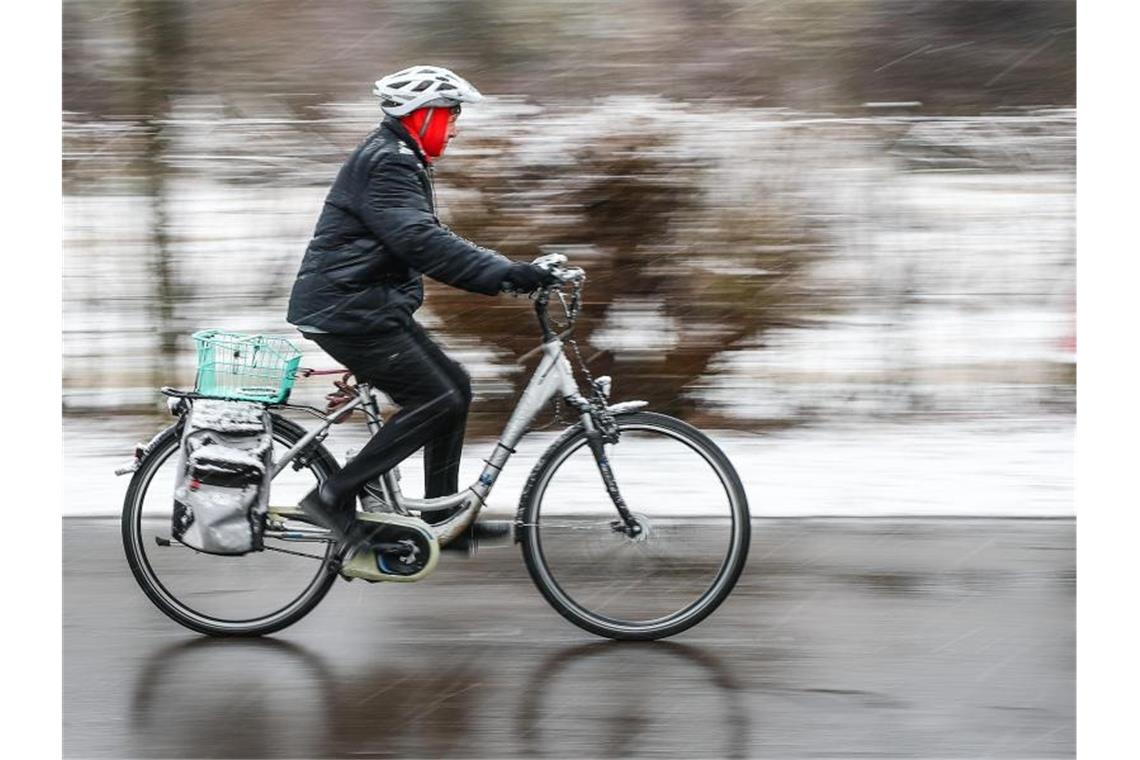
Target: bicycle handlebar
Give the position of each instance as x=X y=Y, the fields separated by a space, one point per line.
x=554 y=263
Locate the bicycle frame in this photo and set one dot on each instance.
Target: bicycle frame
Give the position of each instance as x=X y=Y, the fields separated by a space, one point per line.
x=401 y=522
x=553 y=376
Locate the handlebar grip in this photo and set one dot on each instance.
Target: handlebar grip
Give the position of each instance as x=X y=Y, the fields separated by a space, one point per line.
x=554 y=263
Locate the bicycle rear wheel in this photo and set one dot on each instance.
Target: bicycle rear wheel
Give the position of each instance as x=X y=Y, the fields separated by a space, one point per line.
x=248 y=595
x=685 y=495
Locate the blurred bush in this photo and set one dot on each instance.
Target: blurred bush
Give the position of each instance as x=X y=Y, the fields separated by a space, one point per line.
x=632 y=208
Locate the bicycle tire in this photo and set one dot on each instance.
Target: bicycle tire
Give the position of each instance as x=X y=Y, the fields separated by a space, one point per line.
x=528 y=522
x=322 y=464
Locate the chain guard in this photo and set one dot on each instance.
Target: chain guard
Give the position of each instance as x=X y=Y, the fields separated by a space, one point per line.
x=402 y=549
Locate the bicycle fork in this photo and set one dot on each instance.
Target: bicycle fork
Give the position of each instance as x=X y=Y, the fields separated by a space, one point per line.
x=628 y=524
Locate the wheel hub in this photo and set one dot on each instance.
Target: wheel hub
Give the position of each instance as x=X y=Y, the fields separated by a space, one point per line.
x=638 y=531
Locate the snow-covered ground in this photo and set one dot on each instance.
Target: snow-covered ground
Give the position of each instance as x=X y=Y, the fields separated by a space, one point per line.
x=1021 y=468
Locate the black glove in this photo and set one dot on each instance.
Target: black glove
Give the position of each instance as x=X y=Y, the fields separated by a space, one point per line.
x=527 y=278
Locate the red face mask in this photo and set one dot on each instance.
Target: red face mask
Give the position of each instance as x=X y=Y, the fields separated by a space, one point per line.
x=428 y=127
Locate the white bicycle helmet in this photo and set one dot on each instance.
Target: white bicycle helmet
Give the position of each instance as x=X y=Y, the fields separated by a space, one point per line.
x=422 y=86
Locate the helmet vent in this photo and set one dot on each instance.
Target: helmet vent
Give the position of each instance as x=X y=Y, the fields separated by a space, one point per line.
x=421 y=86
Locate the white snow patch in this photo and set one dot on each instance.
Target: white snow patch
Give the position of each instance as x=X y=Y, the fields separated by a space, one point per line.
x=1014 y=469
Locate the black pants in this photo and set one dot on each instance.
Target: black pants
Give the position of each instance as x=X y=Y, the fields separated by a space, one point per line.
x=433 y=392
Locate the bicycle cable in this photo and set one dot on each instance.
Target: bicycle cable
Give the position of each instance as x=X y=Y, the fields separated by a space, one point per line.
x=598 y=404
x=290 y=551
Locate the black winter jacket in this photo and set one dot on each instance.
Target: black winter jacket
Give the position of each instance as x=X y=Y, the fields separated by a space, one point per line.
x=376 y=234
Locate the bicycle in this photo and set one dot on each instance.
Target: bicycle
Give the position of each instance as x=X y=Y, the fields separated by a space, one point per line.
x=645 y=559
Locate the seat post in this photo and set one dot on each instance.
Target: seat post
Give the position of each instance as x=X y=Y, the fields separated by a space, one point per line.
x=388 y=482
x=371 y=408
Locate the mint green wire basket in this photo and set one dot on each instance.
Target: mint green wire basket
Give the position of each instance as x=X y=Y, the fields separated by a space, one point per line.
x=246 y=367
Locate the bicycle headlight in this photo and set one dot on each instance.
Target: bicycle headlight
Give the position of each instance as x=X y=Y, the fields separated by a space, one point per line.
x=604 y=384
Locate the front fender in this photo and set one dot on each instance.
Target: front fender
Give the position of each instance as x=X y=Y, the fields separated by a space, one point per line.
x=625 y=407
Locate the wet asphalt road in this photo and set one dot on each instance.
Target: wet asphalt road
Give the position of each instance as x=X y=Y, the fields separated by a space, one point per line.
x=844 y=638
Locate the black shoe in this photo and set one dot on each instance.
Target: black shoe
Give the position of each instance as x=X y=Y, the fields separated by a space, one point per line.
x=338 y=518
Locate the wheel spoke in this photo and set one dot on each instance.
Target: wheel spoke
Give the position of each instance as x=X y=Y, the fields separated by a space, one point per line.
x=691 y=508
x=258 y=592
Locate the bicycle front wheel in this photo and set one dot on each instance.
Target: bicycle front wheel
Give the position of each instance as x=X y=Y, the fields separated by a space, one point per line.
x=248 y=595
x=694 y=534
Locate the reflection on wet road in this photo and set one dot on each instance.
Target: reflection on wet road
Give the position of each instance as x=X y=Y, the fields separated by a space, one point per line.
x=918 y=638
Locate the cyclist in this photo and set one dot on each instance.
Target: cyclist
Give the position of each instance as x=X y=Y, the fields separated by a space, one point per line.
x=361 y=281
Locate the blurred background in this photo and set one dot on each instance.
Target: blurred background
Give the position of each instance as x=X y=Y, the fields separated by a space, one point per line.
x=838 y=235
x=839 y=232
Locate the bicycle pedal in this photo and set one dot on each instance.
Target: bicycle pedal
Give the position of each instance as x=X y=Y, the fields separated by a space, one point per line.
x=482 y=534
x=493 y=534
x=462 y=544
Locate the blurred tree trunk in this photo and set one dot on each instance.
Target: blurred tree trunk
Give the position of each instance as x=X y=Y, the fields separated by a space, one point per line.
x=159 y=31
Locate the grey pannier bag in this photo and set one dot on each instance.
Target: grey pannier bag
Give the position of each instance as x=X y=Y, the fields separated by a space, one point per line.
x=221 y=494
